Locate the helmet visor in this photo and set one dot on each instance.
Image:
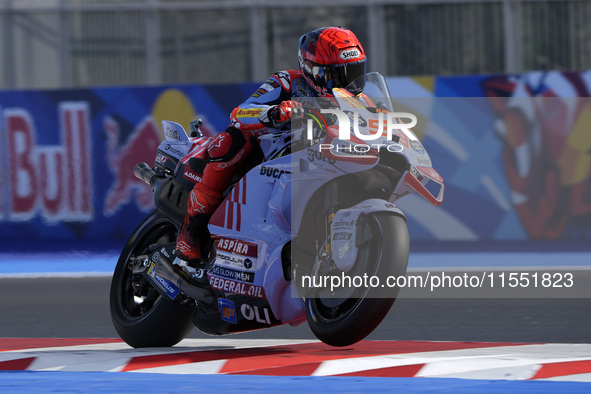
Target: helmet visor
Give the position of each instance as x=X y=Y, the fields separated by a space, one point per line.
x=344 y=74
x=341 y=75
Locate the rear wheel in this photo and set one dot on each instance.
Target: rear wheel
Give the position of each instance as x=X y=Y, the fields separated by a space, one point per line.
x=141 y=315
x=347 y=316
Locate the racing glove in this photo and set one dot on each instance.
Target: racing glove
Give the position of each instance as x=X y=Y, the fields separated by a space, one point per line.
x=282 y=113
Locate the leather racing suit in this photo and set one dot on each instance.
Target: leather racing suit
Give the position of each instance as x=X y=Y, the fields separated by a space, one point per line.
x=266 y=110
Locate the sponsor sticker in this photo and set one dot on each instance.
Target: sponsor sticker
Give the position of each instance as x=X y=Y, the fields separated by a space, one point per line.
x=178 y=150
x=160 y=158
x=341 y=236
x=273 y=172
x=302 y=91
x=424 y=160
x=192 y=176
x=249 y=113
x=171 y=133
x=417 y=146
x=416 y=173
x=229 y=273
x=260 y=92
x=266 y=87
x=169 y=288
x=350 y=54
x=235 y=246
x=343 y=224
x=236 y=287
x=259 y=314
x=235 y=261
x=227 y=310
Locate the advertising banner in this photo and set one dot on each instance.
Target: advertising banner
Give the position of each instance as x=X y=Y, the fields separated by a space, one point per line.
x=514 y=153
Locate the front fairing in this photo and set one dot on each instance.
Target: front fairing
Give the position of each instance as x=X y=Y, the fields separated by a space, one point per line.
x=376 y=132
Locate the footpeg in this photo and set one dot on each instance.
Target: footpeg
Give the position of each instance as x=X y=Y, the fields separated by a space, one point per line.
x=172 y=280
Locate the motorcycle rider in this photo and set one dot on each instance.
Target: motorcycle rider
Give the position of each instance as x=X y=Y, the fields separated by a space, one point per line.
x=328 y=57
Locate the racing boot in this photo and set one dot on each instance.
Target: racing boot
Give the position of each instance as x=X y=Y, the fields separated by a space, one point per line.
x=194 y=243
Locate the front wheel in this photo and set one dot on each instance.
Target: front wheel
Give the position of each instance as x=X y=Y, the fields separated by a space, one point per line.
x=344 y=321
x=141 y=315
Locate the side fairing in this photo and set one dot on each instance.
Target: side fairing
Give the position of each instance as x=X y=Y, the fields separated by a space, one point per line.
x=250 y=229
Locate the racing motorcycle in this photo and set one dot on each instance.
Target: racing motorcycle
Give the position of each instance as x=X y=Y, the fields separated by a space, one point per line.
x=299 y=228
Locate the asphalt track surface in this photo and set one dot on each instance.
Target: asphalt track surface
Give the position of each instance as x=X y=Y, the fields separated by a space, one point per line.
x=79 y=308
x=537 y=332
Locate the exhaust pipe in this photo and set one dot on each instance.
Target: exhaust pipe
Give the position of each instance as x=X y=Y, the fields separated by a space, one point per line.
x=145 y=173
x=155 y=268
x=169 y=196
x=165 y=270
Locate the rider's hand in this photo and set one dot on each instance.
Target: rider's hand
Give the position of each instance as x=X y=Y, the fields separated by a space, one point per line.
x=283 y=112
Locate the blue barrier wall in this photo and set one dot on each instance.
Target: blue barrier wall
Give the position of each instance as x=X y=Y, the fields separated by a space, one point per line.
x=66 y=157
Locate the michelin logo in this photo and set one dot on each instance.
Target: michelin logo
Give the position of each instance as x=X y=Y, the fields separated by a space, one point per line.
x=171 y=290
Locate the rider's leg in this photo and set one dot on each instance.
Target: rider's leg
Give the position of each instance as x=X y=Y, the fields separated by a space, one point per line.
x=226 y=151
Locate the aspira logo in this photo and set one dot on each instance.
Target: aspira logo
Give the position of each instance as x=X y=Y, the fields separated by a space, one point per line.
x=385 y=126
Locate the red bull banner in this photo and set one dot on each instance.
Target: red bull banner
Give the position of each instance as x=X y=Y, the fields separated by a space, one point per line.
x=67 y=157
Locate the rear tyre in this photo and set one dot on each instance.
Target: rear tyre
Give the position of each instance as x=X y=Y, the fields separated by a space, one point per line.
x=141 y=315
x=345 y=321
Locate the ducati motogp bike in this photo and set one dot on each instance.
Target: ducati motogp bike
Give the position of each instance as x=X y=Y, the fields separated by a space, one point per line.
x=308 y=232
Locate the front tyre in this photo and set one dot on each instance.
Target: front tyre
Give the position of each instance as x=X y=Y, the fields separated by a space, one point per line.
x=141 y=315
x=342 y=322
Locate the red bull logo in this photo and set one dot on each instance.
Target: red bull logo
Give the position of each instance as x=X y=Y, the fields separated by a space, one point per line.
x=66 y=164
x=53 y=181
x=141 y=145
